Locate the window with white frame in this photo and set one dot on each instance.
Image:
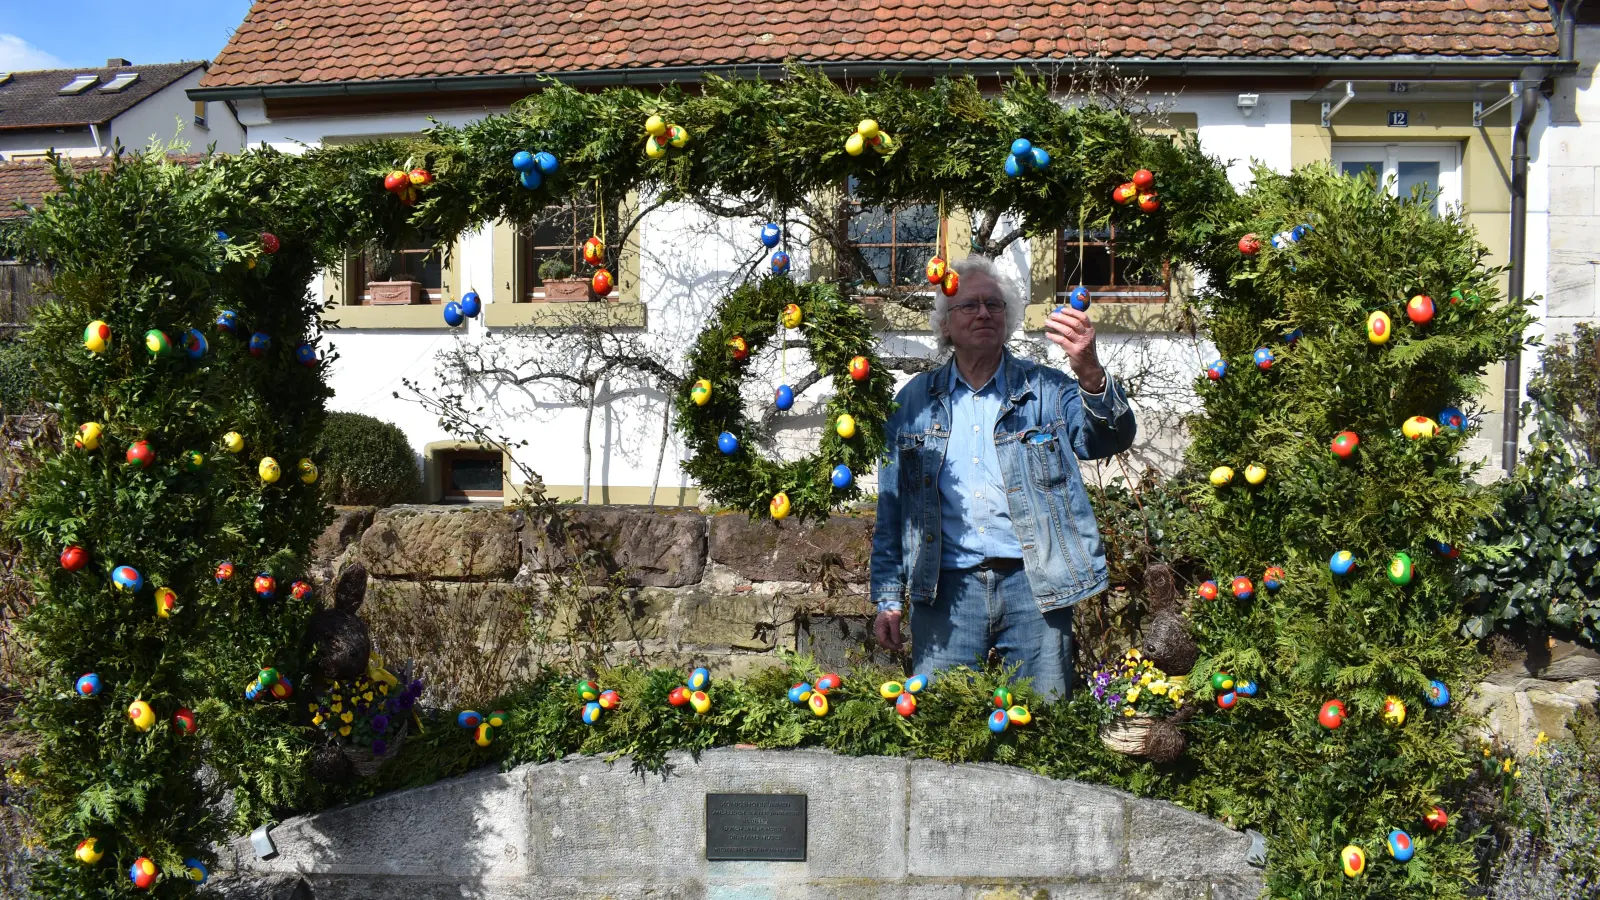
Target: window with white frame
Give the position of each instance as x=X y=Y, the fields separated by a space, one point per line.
x=1402 y=168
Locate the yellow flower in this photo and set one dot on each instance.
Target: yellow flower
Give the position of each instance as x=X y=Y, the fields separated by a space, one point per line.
x=1542 y=738
x=1517 y=773
x=347 y=717
x=1127 y=711
x=1486 y=750
x=336 y=706
x=1133 y=695
x=1506 y=766
x=1148 y=664
x=311 y=707
x=316 y=720
x=1145 y=678
x=345 y=731
x=383 y=689
x=1159 y=688
x=367 y=696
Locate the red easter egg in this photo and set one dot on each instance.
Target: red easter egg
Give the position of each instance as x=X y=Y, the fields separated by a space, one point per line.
x=269 y=242
x=396 y=181
x=738 y=346
x=1144 y=180
x=1437 y=819
x=1149 y=203
x=141 y=454
x=905 y=704
x=679 y=696
x=420 y=177
x=74 y=558
x=1332 y=714
x=1242 y=588
x=183 y=721
x=1207 y=590
x=1420 y=309
x=600 y=282
x=1227 y=699
x=1124 y=194
x=952 y=283
x=1344 y=444
x=1249 y=245
x=828 y=682
x=299 y=590
x=594 y=251
x=860 y=368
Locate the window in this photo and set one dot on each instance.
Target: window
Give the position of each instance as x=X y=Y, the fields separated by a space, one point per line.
x=894 y=244
x=1398 y=168
x=1091 y=259
x=469 y=474
x=200 y=113
x=560 y=233
x=120 y=82
x=79 y=84
x=417 y=267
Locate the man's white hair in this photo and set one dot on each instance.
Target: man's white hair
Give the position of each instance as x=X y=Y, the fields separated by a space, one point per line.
x=1016 y=300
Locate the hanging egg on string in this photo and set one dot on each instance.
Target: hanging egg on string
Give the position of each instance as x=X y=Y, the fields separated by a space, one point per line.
x=1078 y=298
x=308 y=471
x=1400 y=569
x=1245 y=688
x=143 y=873
x=453 y=316
x=1436 y=819
x=1354 y=860
x=183 y=721
x=1243 y=589
x=770 y=235
x=936 y=269
x=1149 y=203
x=266 y=586
x=792 y=316
x=471 y=305
x=140 y=455
x=1255 y=474
x=594 y=251
x=842 y=476
x=1394 y=711
x=224 y=572
x=780 y=263
x=727 y=443
x=141 y=715
x=601 y=282
x=783 y=397
x=1331 y=715
x=700 y=393
x=677 y=136
x=195 y=871
x=233 y=442
x=269 y=470
x=952 y=283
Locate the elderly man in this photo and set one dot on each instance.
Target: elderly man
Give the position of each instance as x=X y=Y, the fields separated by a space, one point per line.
x=983 y=520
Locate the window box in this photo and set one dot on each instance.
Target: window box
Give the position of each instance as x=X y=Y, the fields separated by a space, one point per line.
x=394 y=293
x=566 y=290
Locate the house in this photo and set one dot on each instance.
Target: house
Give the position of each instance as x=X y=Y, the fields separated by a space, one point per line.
x=1429 y=94
x=85 y=112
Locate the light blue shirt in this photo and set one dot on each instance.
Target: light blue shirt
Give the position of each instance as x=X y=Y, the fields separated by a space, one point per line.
x=975 y=520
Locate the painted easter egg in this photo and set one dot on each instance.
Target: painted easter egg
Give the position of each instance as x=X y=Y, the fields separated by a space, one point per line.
x=1148 y=203
x=916 y=684
x=738 y=347
x=1221 y=681
x=1394 y=711
x=394 y=182
x=780 y=263
x=141 y=715
x=800 y=693
x=891 y=689
x=1341 y=562
x=1227 y=699
x=1207 y=590
x=266 y=587
x=1040 y=158
x=97 y=336
x=268 y=677
x=854 y=144
x=308 y=471
x=727 y=443
x=1217 y=369
x=483 y=735
x=88 y=685
x=677 y=136
x=1331 y=714
x=952 y=283
x=1124 y=193
x=999 y=721
x=1250 y=245
x=195 y=871
x=128 y=579
x=1344 y=444
x=74 y=558
x=841 y=476
x=143 y=873
x=701 y=392
x=846 y=426
x=88 y=436
x=1144 y=179
x=1255 y=473
x=792 y=316
x=678 y=696
x=228 y=321
x=1002 y=697
x=269 y=470
x=1400 y=569
x=468 y=719
x=282 y=689
x=936 y=269
x=770 y=235
x=699 y=679
x=1021 y=147
x=1354 y=860
x=1272 y=579
x=1243 y=589
x=260 y=343
x=233 y=442
x=1419 y=309
x=780 y=506
x=588 y=690
x=700 y=701
x=1019 y=715
x=1013 y=165
x=601 y=282
x=1400 y=846
x=1438 y=694
x=905 y=704
x=417 y=177
x=1293 y=337
x=89 y=851
x=1263 y=358
x=453 y=316
x=194 y=461
x=860 y=368
x=522 y=161
x=1437 y=819
x=306 y=355
x=655 y=126
x=1221 y=476
x=1452 y=419
x=609 y=699
x=166 y=602
x=157 y=342
x=183 y=721
x=471 y=306
x=591 y=713
x=1419 y=427
x=829 y=682
x=1079 y=298
x=594 y=251
x=532 y=180
x=1378 y=327
x=140 y=455
x=1445 y=550
x=223 y=572
x=818 y=703
x=1245 y=688
x=496 y=719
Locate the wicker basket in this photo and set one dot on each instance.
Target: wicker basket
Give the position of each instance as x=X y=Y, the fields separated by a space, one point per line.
x=364 y=763
x=1127 y=736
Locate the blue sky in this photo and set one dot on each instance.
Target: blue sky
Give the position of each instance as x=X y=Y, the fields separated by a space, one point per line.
x=48 y=34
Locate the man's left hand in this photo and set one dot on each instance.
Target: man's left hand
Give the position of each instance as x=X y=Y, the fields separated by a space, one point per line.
x=1072 y=331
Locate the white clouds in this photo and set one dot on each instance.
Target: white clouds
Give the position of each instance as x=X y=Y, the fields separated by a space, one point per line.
x=17 y=55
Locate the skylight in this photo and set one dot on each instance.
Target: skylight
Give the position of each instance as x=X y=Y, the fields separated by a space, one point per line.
x=80 y=84
x=5 y=77
x=120 y=82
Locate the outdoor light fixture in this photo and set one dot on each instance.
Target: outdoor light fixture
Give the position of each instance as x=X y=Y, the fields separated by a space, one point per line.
x=1248 y=103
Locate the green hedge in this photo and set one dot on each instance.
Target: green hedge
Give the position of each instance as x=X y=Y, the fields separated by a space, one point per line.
x=367 y=462
x=20 y=387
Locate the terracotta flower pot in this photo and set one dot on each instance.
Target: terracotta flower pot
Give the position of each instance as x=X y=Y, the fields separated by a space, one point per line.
x=566 y=290
x=394 y=293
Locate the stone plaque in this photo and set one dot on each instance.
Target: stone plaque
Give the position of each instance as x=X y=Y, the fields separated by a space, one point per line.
x=756 y=826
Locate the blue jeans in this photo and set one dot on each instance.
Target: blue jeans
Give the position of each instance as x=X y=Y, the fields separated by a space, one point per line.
x=979 y=609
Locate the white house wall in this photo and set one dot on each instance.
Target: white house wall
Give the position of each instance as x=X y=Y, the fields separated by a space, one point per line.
x=168 y=115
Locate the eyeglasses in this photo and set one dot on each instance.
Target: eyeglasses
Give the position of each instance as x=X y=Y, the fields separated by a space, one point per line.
x=970 y=308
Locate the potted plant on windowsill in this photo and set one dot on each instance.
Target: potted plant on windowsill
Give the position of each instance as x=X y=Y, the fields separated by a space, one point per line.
x=559 y=285
x=395 y=289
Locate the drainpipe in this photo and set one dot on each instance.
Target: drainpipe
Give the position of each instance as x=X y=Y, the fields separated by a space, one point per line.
x=94 y=132
x=1528 y=92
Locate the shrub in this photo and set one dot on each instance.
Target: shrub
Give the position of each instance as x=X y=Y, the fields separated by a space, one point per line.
x=1552 y=851
x=20 y=388
x=1568 y=385
x=367 y=462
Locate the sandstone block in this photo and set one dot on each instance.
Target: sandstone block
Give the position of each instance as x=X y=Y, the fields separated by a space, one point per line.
x=349 y=522
x=435 y=542
x=762 y=550
x=657 y=547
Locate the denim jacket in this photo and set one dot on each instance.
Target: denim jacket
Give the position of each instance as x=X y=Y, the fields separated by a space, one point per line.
x=1046 y=425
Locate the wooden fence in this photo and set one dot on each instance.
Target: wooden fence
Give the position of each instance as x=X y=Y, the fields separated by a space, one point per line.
x=21 y=289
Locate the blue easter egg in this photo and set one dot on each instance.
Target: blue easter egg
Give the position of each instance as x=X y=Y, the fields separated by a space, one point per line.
x=783 y=397
x=222 y=235
x=1021 y=147
x=916 y=684
x=1341 y=563
x=260 y=343
x=770 y=235
x=1013 y=169
x=305 y=355
x=88 y=685
x=547 y=162
x=531 y=179
x=1217 y=369
x=1041 y=158
x=471 y=305
x=127 y=578
x=452 y=314
x=1438 y=694
x=1452 y=419
x=727 y=443
x=253 y=691
x=1281 y=240
x=780 y=263
x=1400 y=846
x=523 y=161
x=1443 y=549
x=841 y=476
x=194 y=344
x=195 y=871
x=800 y=693
x=1079 y=298
x=1245 y=688
x=1298 y=232
x=468 y=719
x=591 y=712
x=698 y=679
x=998 y=720
x=228 y=321
x=1264 y=358
x=1293 y=336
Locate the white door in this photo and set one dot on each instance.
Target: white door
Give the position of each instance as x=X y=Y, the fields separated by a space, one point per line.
x=1402 y=167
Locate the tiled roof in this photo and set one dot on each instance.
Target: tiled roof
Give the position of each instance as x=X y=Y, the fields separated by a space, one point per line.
x=34 y=99
x=311 y=41
x=31 y=180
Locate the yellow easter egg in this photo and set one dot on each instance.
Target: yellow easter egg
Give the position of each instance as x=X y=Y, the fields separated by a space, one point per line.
x=141 y=715
x=88 y=436
x=483 y=736
x=269 y=470
x=97 y=336
x=854 y=144
x=701 y=392
x=1419 y=427
x=1378 y=327
x=700 y=701
x=654 y=149
x=233 y=442
x=655 y=126
x=677 y=136
x=308 y=471
x=1255 y=473
x=846 y=426
x=780 y=505
x=792 y=316
x=1221 y=476
x=868 y=129
x=818 y=704
x=884 y=145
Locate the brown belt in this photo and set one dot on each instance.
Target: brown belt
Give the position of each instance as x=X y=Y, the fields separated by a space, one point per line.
x=1001 y=564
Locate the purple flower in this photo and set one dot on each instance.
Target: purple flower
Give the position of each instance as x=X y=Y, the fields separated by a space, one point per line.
x=379 y=746
x=1115 y=699
x=380 y=723
x=1099 y=692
